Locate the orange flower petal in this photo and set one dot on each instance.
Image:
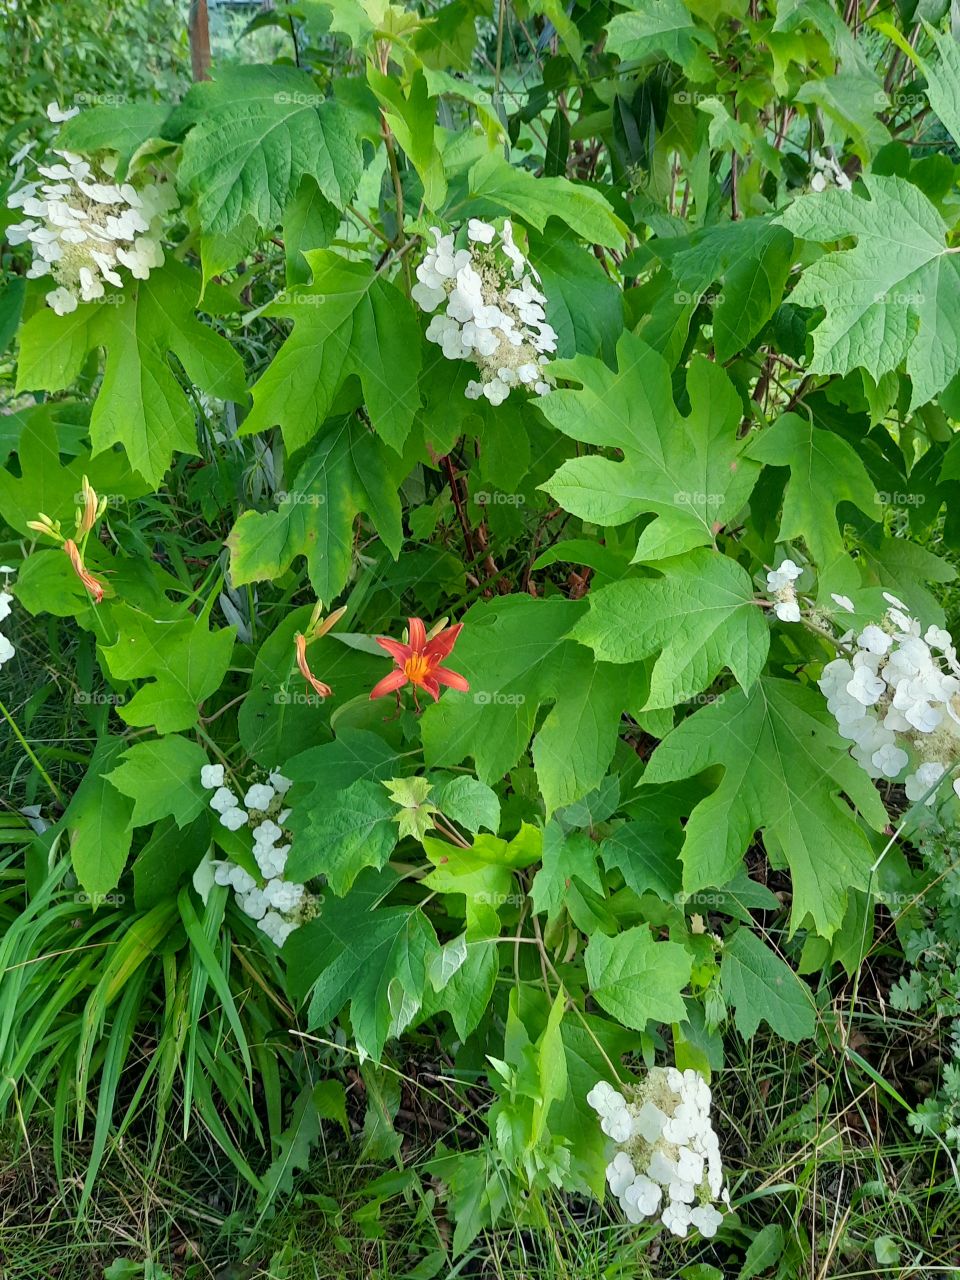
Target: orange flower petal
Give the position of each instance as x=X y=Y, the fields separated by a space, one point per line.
x=431 y=687
x=452 y=678
x=389 y=684
x=399 y=652
x=441 y=645
x=418 y=634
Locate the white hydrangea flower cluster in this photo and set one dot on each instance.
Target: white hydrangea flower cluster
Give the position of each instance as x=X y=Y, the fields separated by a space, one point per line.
x=494 y=313
x=279 y=906
x=897 y=699
x=83 y=227
x=7 y=650
x=828 y=174
x=780 y=586
x=668 y=1162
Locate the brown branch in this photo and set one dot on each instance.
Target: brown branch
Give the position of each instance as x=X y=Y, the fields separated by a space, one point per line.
x=447 y=463
x=198 y=27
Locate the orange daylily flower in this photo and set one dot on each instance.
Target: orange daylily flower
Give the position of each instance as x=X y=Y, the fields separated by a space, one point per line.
x=89 y=581
x=418 y=662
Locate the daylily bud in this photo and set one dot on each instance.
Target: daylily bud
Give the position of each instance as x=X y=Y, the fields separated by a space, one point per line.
x=87 y=515
x=316 y=628
x=330 y=621
x=43 y=524
x=314 y=619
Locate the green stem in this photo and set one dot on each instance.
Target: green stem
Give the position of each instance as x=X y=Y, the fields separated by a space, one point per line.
x=501 y=19
x=30 y=752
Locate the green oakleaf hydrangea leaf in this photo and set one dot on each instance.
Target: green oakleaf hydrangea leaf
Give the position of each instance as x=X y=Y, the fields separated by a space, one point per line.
x=447 y=38
x=584 y=305
x=310 y=221
x=350 y=321
x=517 y=656
x=447 y=962
x=352 y=829
x=692 y=472
x=483 y=873
x=120 y=127
x=660 y=26
x=257 y=131
x=824 y=471
x=348 y=470
x=785 y=770
x=183 y=660
x=375 y=959
x=497 y=188
x=321 y=771
x=564 y=856
x=698 y=618
x=646 y=852
x=466 y=992
x=637 y=979
x=162 y=778
x=890 y=300
x=750 y=260
x=170 y=857
x=471 y=803
x=943 y=80
x=141 y=403
x=362 y=20
x=413 y=119
x=46 y=484
x=759 y=984
x=849 y=104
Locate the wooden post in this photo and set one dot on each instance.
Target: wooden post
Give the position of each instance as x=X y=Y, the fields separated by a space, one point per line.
x=199 y=29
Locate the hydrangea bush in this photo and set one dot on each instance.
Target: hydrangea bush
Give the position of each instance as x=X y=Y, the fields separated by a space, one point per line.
x=503 y=540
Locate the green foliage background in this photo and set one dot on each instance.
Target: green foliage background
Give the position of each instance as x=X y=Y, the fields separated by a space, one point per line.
x=639 y=836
